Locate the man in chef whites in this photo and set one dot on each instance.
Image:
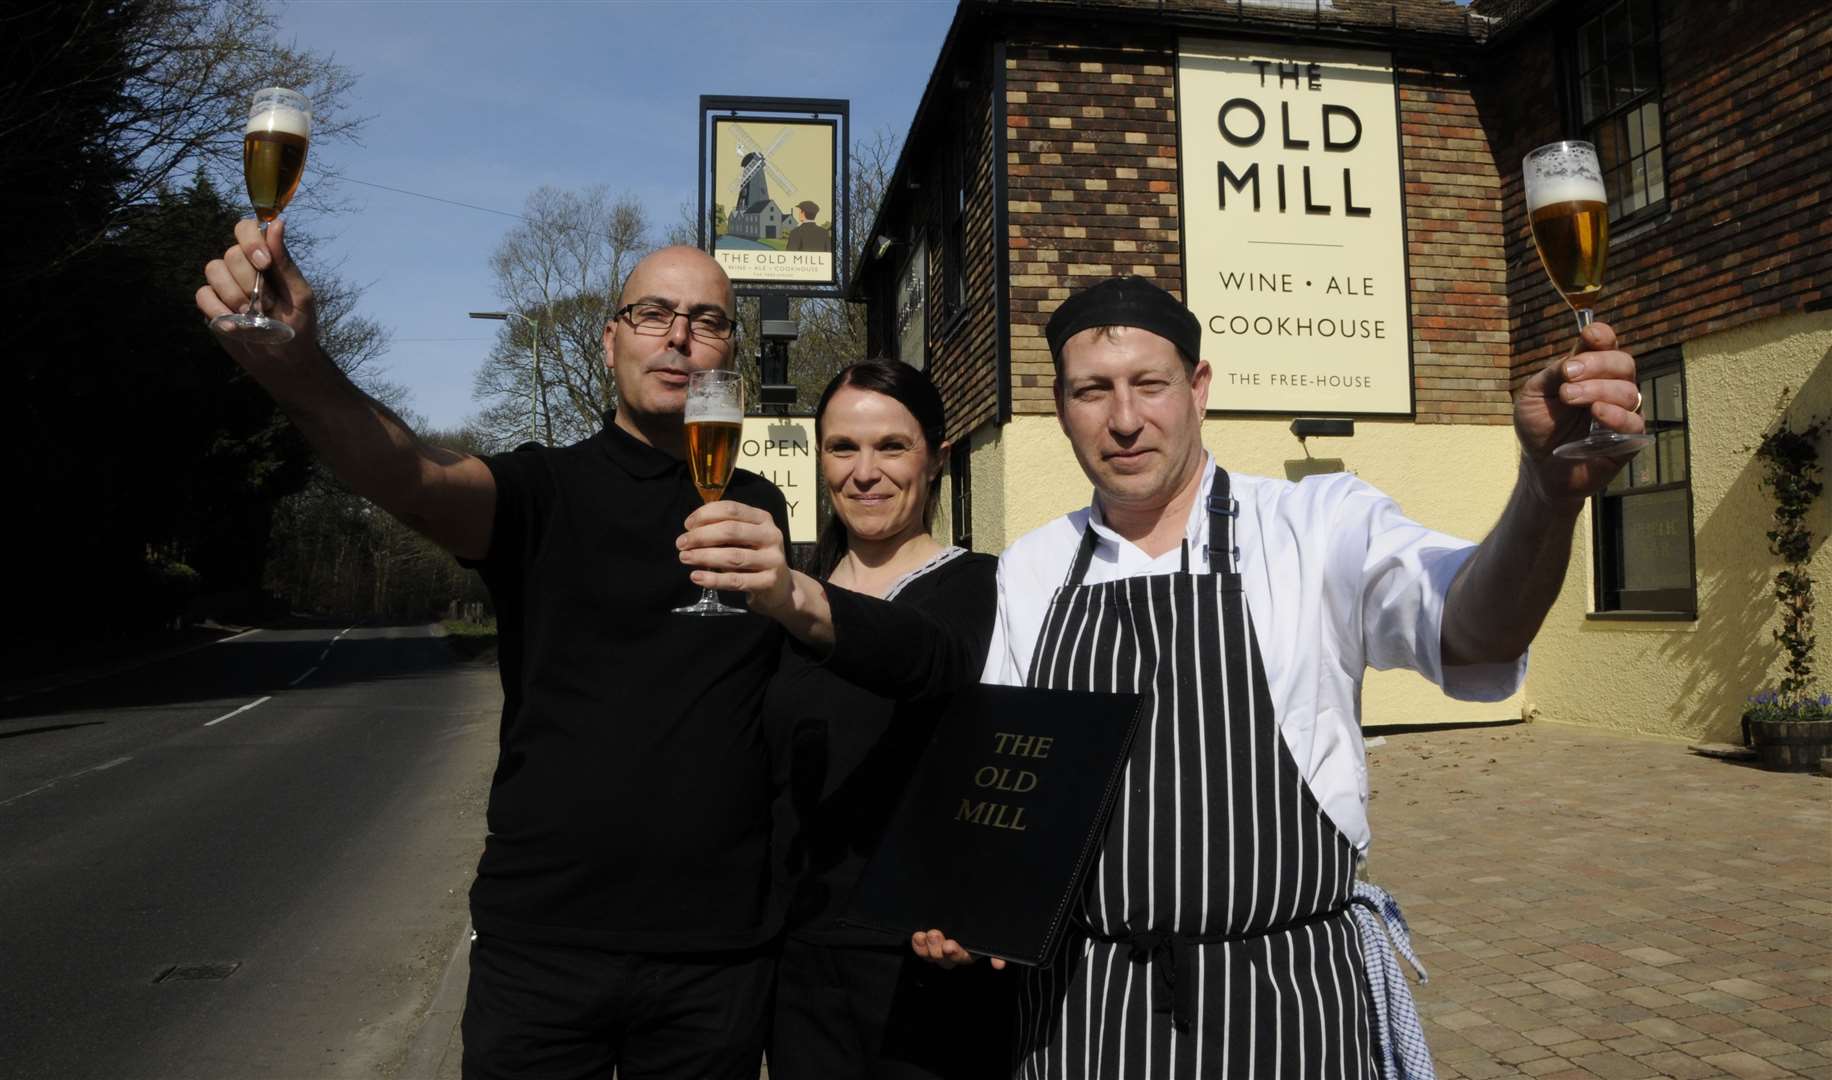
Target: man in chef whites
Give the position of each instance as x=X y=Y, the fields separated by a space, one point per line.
x=1222 y=932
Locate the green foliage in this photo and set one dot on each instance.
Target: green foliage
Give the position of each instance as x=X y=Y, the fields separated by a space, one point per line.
x=334 y=552
x=135 y=432
x=147 y=464
x=168 y=585
x=467 y=628
x=471 y=640
x=1791 y=472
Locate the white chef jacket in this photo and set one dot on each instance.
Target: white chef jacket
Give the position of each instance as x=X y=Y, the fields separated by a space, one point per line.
x=1336 y=579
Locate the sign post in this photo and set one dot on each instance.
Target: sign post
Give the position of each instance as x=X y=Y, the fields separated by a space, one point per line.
x=773 y=209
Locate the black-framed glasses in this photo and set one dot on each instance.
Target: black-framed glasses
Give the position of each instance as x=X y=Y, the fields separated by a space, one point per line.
x=656 y=320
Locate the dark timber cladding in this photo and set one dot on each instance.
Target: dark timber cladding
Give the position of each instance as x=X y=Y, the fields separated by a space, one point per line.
x=949 y=149
x=1093 y=183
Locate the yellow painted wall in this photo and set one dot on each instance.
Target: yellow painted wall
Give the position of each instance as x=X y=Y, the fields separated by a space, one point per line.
x=941 y=526
x=1452 y=477
x=1689 y=679
x=985 y=474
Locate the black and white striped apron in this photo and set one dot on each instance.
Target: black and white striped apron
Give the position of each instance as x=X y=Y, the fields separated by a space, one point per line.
x=1213 y=937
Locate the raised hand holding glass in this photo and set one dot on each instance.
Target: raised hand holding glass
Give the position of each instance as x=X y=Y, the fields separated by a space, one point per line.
x=1568 y=209
x=274 y=143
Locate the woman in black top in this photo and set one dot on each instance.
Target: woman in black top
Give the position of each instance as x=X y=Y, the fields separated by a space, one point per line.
x=853 y=1002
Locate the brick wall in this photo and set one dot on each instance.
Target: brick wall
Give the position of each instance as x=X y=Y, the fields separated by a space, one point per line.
x=1091 y=159
x=1747 y=117
x=963 y=345
x=1455 y=249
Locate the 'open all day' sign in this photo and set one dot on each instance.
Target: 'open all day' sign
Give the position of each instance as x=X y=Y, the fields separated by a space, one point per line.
x=781 y=450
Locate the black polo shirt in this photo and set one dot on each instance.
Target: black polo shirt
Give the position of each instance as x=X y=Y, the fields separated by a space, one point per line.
x=630 y=805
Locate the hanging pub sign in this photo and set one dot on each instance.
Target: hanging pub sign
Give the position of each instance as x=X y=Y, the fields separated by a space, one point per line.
x=1294 y=229
x=774 y=213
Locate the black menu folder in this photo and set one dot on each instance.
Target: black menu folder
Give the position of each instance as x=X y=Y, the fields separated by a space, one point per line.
x=1002 y=818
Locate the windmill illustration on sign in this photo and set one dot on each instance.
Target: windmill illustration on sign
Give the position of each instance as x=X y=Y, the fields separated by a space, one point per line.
x=757 y=216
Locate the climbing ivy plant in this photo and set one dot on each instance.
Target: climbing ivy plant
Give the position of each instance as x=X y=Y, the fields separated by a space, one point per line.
x=1791 y=472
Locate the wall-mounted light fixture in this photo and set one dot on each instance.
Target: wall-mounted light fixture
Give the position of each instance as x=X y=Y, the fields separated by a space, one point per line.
x=1305 y=427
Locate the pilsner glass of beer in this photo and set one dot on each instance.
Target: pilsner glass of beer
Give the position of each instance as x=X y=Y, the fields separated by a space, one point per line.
x=1568 y=209
x=714 y=422
x=273 y=159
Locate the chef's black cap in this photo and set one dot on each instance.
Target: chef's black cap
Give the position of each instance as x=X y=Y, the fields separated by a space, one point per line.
x=1125 y=301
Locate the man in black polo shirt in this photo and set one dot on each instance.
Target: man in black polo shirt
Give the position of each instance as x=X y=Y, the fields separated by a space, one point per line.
x=621 y=902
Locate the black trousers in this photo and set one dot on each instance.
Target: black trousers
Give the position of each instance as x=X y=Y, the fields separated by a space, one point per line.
x=554 y=1012
x=859 y=1013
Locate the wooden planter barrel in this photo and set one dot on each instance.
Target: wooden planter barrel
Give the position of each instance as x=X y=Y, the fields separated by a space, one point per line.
x=1790 y=745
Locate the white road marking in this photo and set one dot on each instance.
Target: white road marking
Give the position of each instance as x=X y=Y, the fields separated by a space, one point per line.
x=71 y=776
x=325 y=655
x=308 y=674
x=237 y=637
x=239 y=711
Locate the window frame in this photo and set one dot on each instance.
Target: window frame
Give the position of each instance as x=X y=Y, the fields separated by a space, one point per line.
x=1610 y=600
x=954 y=215
x=884 y=327
x=960 y=493
x=1590 y=130
x=919 y=250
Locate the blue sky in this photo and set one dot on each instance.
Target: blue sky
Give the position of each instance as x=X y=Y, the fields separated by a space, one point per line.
x=484 y=102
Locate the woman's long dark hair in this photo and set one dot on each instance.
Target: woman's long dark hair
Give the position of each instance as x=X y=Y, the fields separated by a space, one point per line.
x=909 y=388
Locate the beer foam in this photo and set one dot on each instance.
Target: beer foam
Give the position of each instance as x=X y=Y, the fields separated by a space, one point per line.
x=710 y=412
x=285 y=121
x=1547 y=190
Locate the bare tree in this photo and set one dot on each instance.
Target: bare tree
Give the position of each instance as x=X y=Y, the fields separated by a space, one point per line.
x=332 y=550
x=833 y=331
x=354 y=342
x=560 y=269
x=686 y=230
x=191 y=69
x=197 y=66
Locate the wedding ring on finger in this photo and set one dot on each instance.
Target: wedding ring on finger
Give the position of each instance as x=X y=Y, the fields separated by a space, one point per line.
x=1637 y=407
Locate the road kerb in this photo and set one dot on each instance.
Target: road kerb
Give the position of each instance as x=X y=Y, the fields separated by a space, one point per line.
x=430 y=1051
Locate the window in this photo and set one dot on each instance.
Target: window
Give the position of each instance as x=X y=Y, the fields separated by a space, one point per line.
x=881 y=330
x=912 y=308
x=1618 y=99
x=954 y=215
x=961 y=506
x=1644 y=517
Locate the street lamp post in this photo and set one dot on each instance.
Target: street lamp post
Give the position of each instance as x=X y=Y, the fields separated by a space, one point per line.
x=537 y=401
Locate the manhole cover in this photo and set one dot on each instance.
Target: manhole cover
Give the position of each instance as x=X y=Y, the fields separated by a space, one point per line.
x=177 y=972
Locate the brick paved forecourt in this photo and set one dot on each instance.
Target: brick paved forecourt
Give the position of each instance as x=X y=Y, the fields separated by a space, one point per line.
x=1599 y=905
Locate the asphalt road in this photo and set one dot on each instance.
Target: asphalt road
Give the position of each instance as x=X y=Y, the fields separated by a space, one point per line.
x=300 y=809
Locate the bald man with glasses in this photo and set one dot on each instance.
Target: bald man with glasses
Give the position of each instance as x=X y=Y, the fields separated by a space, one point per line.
x=621 y=903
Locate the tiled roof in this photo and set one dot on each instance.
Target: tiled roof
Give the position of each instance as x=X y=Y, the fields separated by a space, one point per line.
x=1434 y=17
